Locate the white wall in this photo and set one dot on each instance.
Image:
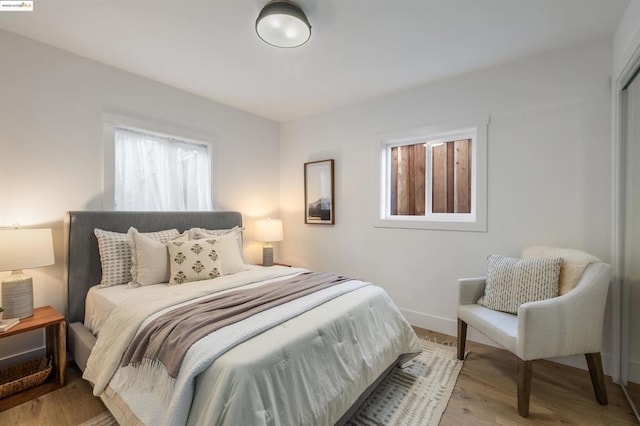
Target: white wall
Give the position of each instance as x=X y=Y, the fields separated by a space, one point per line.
x=51 y=143
x=549 y=178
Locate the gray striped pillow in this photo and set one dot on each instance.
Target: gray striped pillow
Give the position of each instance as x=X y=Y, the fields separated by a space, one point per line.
x=512 y=282
x=115 y=254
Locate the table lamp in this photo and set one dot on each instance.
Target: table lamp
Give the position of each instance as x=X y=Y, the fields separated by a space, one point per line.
x=22 y=249
x=268 y=231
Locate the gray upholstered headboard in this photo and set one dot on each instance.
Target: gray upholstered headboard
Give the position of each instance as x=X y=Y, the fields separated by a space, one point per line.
x=83 y=259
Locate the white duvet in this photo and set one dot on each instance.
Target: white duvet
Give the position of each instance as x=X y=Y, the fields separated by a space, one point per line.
x=307 y=369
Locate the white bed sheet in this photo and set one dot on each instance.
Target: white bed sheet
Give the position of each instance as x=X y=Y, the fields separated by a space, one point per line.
x=101 y=301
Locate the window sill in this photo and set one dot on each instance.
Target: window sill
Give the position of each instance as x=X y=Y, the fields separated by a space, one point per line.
x=436 y=225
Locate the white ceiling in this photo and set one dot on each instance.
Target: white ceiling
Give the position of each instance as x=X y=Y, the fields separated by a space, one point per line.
x=359 y=49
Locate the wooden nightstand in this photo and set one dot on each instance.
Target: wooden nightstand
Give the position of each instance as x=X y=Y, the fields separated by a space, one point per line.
x=56 y=346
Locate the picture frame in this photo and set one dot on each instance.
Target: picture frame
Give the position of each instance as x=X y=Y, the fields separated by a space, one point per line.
x=319 y=201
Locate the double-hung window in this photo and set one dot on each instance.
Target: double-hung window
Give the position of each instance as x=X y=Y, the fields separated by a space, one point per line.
x=434 y=177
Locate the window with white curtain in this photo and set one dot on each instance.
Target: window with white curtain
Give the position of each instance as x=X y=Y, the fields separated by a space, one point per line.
x=158 y=172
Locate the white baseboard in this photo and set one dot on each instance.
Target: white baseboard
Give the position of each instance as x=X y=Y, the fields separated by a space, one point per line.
x=450 y=327
x=443 y=325
x=579 y=361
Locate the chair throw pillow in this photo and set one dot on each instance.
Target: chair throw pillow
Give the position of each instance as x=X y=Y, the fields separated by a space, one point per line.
x=194 y=260
x=512 y=282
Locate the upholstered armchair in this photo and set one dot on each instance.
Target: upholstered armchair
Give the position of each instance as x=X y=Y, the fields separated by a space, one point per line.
x=568 y=324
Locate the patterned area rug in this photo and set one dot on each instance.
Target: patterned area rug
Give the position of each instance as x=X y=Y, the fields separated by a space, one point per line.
x=103 y=419
x=415 y=395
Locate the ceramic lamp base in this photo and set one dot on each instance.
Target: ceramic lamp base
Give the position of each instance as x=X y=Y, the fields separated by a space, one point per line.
x=17 y=296
x=267 y=256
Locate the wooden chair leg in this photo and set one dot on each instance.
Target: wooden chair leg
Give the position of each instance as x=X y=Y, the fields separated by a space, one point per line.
x=462 y=338
x=594 y=361
x=525 y=369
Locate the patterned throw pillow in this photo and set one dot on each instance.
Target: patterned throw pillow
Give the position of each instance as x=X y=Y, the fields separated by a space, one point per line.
x=115 y=254
x=199 y=233
x=194 y=260
x=512 y=282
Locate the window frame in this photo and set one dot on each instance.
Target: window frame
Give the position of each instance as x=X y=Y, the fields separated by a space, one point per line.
x=112 y=121
x=450 y=138
x=476 y=221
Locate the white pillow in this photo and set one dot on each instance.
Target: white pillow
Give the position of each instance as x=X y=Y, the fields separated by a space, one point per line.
x=194 y=260
x=152 y=260
x=574 y=263
x=199 y=233
x=231 y=258
x=116 y=254
x=160 y=236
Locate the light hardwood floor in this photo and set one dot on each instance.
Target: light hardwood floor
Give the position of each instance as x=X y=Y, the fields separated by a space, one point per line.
x=485 y=394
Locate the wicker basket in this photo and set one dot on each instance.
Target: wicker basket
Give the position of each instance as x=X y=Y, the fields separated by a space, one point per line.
x=24 y=376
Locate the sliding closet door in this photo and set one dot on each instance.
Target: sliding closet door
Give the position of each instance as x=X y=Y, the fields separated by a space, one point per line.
x=631 y=284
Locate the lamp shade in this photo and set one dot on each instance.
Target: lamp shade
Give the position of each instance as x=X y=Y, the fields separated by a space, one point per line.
x=25 y=249
x=269 y=230
x=283 y=24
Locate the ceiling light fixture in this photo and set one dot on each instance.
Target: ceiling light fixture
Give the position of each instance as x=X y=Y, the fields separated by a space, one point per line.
x=283 y=24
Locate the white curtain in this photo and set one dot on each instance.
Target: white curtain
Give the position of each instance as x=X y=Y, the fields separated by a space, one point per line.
x=160 y=173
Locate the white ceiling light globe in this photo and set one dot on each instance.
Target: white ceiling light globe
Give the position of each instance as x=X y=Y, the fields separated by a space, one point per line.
x=283 y=24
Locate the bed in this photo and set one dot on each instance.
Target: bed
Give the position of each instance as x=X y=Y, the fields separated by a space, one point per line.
x=313 y=360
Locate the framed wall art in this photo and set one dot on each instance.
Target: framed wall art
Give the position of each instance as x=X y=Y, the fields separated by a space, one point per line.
x=318 y=193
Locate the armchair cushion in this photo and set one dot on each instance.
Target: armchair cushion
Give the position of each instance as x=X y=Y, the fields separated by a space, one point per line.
x=501 y=327
x=574 y=263
x=512 y=282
